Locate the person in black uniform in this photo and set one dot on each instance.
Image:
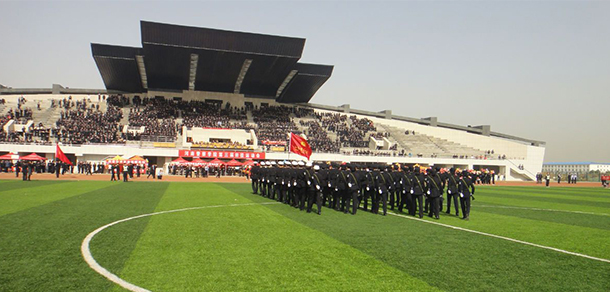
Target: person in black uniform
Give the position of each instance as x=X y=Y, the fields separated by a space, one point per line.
x=280 y=182
x=466 y=189
x=18 y=166
x=368 y=187
x=289 y=181
x=333 y=174
x=24 y=171
x=341 y=185
x=440 y=172
x=405 y=189
x=417 y=192
x=452 y=191
x=353 y=188
x=254 y=176
x=381 y=183
x=326 y=190
x=113 y=170
x=263 y=180
x=57 y=170
x=394 y=194
x=434 y=191
x=315 y=189
x=129 y=169
x=301 y=185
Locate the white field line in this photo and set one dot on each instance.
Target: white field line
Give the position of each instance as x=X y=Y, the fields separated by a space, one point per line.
x=504 y=237
x=86 y=252
x=540 y=209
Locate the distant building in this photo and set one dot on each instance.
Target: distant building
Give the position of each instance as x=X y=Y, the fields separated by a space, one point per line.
x=575 y=167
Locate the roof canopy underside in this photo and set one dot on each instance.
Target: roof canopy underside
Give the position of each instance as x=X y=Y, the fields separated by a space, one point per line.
x=188 y=58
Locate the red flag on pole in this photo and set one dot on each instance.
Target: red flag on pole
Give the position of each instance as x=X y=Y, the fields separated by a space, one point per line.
x=61 y=156
x=299 y=146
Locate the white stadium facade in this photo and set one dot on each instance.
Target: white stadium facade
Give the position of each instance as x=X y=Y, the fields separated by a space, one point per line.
x=251 y=74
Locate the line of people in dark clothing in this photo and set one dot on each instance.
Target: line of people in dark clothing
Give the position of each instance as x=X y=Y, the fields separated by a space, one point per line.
x=352 y=186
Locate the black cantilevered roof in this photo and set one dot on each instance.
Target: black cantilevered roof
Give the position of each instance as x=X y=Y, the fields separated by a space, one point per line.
x=176 y=57
x=118 y=67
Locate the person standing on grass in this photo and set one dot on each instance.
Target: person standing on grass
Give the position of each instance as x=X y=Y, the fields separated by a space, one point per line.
x=417 y=192
x=405 y=188
x=558 y=179
x=24 y=171
x=434 y=191
x=466 y=189
x=30 y=170
x=125 y=173
x=113 y=171
x=548 y=180
x=452 y=191
x=254 y=177
x=381 y=182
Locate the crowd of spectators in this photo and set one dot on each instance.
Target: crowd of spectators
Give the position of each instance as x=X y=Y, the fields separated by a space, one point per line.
x=353 y=134
x=273 y=123
x=81 y=124
x=318 y=138
x=213 y=115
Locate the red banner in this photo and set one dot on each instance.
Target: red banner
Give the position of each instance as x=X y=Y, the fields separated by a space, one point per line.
x=299 y=146
x=221 y=154
x=61 y=156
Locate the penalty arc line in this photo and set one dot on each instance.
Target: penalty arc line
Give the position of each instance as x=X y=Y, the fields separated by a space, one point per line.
x=505 y=238
x=93 y=264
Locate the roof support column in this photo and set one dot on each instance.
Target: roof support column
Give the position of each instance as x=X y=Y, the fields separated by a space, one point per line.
x=193 y=71
x=285 y=83
x=242 y=75
x=142 y=70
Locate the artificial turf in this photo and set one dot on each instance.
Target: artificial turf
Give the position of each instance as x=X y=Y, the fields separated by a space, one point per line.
x=274 y=247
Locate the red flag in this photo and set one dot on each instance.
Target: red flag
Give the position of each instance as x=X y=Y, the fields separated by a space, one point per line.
x=61 y=156
x=299 y=146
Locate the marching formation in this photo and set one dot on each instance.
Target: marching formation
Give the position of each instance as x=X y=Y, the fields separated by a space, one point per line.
x=348 y=187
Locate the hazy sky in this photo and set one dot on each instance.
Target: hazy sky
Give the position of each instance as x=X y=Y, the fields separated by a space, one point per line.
x=539 y=70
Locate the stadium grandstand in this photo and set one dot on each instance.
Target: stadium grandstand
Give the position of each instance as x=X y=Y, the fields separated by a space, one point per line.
x=207 y=93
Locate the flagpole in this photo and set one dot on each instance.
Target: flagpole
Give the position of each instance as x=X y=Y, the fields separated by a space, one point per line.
x=289 y=141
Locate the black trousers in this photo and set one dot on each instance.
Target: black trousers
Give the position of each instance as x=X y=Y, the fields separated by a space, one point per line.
x=254 y=186
x=392 y=197
x=336 y=204
x=349 y=196
x=314 y=196
x=344 y=197
x=453 y=197
x=381 y=199
x=417 y=204
x=434 y=206
x=465 y=202
x=405 y=201
x=366 y=195
x=302 y=194
x=326 y=197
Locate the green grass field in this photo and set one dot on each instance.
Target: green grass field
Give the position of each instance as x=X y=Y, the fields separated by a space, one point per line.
x=261 y=247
